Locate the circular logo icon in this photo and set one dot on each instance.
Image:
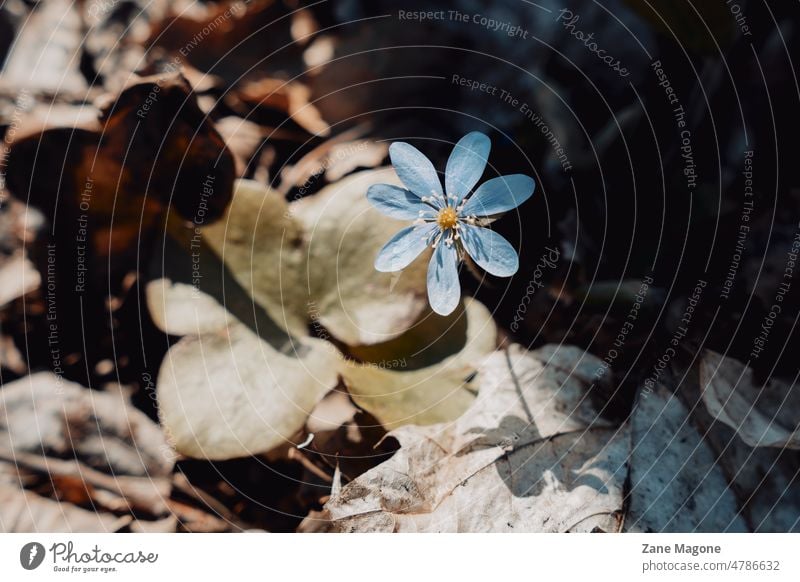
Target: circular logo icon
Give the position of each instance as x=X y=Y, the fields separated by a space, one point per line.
x=31 y=555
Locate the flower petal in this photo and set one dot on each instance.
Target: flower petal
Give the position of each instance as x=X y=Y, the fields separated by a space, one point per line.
x=397 y=202
x=466 y=164
x=415 y=170
x=499 y=195
x=403 y=248
x=492 y=252
x=444 y=289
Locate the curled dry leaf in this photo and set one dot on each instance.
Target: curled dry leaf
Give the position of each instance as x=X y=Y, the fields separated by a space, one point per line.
x=530 y=454
x=347 y=441
x=332 y=160
x=353 y=302
x=423 y=376
x=92 y=448
x=106 y=187
x=18 y=276
x=762 y=415
x=346 y=157
x=311 y=261
x=238 y=384
x=192 y=289
x=244 y=138
x=178 y=309
x=262 y=246
x=45 y=55
x=290 y=98
x=319 y=53
x=231 y=393
x=150 y=150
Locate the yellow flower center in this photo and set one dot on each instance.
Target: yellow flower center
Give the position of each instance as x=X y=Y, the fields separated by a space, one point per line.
x=447 y=218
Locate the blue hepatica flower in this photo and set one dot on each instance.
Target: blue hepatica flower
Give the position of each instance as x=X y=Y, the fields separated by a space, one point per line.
x=452 y=223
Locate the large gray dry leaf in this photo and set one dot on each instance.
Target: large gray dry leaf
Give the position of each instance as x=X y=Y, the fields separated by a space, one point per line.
x=530 y=454
x=765 y=480
x=676 y=482
x=762 y=415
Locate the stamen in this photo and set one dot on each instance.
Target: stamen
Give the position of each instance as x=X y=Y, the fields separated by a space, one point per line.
x=437 y=238
x=447 y=218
